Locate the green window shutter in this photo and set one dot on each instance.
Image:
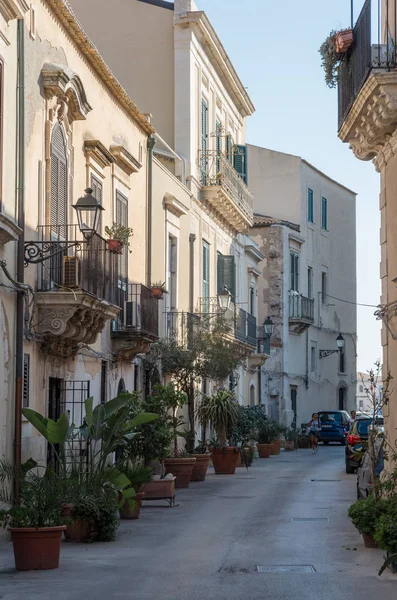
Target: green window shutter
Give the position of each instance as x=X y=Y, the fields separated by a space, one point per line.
x=218 y=146
x=310 y=206
x=294 y=272
x=226 y=274
x=240 y=161
x=324 y=213
x=206 y=270
x=229 y=147
x=122 y=219
x=204 y=140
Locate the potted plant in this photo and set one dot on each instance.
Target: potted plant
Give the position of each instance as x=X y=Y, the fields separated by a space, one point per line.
x=221 y=410
x=364 y=515
x=303 y=437
x=268 y=437
x=159 y=289
x=385 y=534
x=245 y=432
x=118 y=237
x=290 y=439
x=35 y=522
x=344 y=40
x=138 y=475
x=330 y=59
x=200 y=467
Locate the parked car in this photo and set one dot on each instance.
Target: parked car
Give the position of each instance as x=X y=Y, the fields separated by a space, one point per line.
x=333 y=426
x=364 y=475
x=357 y=441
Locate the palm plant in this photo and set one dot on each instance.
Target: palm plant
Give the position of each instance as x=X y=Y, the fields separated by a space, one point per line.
x=222 y=410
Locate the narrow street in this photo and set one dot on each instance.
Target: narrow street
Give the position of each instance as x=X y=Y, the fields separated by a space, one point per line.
x=288 y=511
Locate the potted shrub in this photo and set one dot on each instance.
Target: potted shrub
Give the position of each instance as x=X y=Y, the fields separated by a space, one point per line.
x=221 y=410
x=303 y=437
x=290 y=439
x=159 y=289
x=344 y=40
x=36 y=522
x=138 y=475
x=330 y=59
x=364 y=515
x=200 y=467
x=268 y=439
x=385 y=534
x=118 y=237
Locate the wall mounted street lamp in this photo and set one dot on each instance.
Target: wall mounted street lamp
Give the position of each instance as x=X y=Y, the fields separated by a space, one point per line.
x=88 y=211
x=224 y=299
x=340 y=342
x=268 y=327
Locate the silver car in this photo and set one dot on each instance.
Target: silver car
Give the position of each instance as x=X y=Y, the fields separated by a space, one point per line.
x=364 y=474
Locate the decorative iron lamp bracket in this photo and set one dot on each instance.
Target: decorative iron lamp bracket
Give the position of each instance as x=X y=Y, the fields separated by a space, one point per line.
x=38 y=252
x=325 y=353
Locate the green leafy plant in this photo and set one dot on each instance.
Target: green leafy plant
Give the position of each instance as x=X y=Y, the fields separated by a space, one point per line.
x=160 y=285
x=269 y=432
x=249 y=422
x=137 y=474
x=364 y=514
x=385 y=533
x=121 y=233
x=330 y=59
x=201 y=448
x=222 y=410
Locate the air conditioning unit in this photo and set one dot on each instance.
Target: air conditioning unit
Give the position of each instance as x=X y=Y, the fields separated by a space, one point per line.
x=71 y=272
x=132 y=314
x=379 y=56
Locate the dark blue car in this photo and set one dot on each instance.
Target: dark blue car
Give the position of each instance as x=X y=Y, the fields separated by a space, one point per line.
x=334 y=423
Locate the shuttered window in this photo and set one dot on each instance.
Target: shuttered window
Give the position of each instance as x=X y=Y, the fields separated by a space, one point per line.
x=324 y=214
x=97 y=192
x=26 y=380
x=229 y=148
x=59 y=185
x=226 y=274
x=310 y=206
x=240 y=161
x=204 y=140
x=122 y=219
x=294 y=272
x=206 y=272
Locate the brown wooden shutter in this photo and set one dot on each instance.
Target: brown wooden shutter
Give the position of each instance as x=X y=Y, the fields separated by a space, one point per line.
x=59 y=185
x=122 y=219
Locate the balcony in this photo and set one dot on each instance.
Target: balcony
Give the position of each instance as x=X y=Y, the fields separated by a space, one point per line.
x=76 y=288
x=224 y=190
x=242 y=326
x=301 y=312
x=137 y=325
x=182 y=328
x=367 y=86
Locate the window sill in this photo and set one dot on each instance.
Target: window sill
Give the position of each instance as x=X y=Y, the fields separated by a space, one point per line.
x=9 y=231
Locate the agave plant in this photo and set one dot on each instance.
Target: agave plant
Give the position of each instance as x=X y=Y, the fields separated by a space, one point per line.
x=222 y=410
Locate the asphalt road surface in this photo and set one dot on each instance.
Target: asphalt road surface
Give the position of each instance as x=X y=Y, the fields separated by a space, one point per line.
x=287 y=515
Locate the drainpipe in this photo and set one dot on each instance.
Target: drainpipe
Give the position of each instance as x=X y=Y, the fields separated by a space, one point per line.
x=260 y=385
x=192 y=239
x=150 y=145
x=20 y=253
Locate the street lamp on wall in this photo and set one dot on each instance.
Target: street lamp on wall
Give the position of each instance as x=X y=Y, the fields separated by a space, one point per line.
x=268 y=327
x=224 y=299
x=340 y=342
x=88 y=211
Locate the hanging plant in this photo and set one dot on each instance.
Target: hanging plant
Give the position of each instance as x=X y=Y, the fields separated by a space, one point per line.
x=330 y=59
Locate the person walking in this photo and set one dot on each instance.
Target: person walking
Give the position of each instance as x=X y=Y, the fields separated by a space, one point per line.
x=315 y=428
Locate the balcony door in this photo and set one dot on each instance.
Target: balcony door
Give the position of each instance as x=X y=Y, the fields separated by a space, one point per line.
x=122 y=267
x=53 y=270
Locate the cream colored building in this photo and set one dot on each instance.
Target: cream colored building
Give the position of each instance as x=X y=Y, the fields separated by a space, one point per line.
x=185 y=79
x=364 y=399
x=307 y=284
x=368 y=123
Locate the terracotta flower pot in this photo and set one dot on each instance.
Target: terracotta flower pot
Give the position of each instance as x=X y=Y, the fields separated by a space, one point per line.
x=264 y=450
x=276 y=447
x=126 y=512
x=36 y=548
x=182 y=468
x=159 y=489
x=115 y=246
x=289 y=445
x=369 y=541
x=344 y=40
x=224 y=460
x=157 y=292
x=200 y=467
x=77 y=530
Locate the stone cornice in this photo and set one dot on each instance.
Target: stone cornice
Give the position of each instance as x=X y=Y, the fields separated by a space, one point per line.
x=207 y=35
x=371 y=123
x=253 y=251
x=13 y=9
x=61 y=82
x=125 y=160
x=98 y=152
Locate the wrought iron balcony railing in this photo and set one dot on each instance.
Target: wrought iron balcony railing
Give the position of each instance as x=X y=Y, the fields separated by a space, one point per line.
x=182 y=328
x=300 y=307
x=89 y=267
x=215 y=169
x=242 y=324
x=368 y=53
x=139 y=312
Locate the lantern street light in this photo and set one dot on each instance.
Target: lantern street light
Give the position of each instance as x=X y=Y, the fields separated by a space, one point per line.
x=340 y=342
x=268 y=326
x=88 y=210
x=224 y=299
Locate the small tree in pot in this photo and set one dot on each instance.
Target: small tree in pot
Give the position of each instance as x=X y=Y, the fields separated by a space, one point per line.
x=222 y=410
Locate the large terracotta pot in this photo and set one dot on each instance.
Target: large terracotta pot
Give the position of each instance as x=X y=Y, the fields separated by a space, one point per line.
x=78 y=530
x=182 y=468
x=224 y=460
x=126 y=512
x=369 y=541
x=200 y=467
x=36 y=548
x=289 y=445
x=159 y=489
x=264 y=450
x=276 y=447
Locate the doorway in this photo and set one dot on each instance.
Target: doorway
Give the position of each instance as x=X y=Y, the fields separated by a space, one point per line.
x=342 y=399
x=294 y=394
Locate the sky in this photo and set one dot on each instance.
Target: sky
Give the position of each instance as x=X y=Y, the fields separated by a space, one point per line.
x=274 y=48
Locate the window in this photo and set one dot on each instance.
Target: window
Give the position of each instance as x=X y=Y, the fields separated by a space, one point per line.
x=361 y=389
x=324 y=214
x=361 y=404
x=229 y=148
x=122 y=219
x=206 y=276
x=313 y=361
x=97 y=192
x=310 y=206
x=294 y=393
x=1 y=128
x=240 y=161
x=172 y=271
x=59 y=185
x=294 y=272
x=218 y=146
x=226 y=273
x=26 y=380
x=252 y=301
x=342 y=362
x=324 y=294
x=252 y=395
x=204 y=140
x=310 y=282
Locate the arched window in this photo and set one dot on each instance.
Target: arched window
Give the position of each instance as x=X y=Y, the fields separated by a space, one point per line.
x=121 y=387
x=59 y=184
x=252 y=395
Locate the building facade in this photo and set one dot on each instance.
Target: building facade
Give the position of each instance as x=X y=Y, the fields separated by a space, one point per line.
x=364 y=401
x=367 y=121
x=307 y=284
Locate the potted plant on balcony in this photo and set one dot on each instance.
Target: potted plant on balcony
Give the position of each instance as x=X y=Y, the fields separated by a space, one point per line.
x=159 y=289
x=35 y=522
x=221 y=410
x=344 y=40
x=330 y=59
x=118 y=237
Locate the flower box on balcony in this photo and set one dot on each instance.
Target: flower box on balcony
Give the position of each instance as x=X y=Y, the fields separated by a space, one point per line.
x=344 y=40
x=115 y=246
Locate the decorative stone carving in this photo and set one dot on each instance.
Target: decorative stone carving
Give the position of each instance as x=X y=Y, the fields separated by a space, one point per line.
x=9 y=231
x=127 y=350
x=371 y=123
x=62 y=83
x=13 y=9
